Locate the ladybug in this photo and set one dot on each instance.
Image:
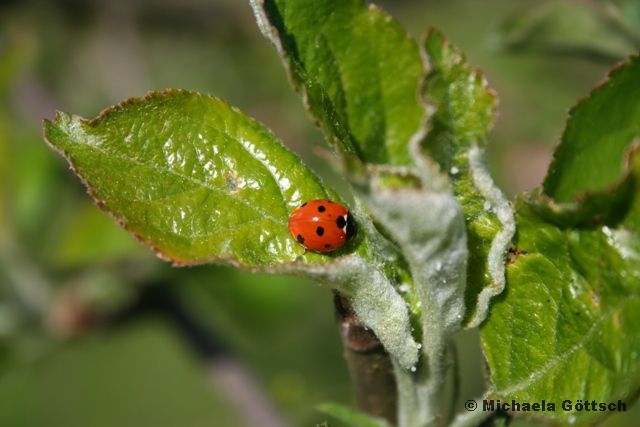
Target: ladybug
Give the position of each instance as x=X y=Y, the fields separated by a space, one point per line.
x=321 y=225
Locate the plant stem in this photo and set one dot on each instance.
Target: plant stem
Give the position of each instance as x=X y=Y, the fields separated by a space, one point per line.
x=477 y=418
x=369 y=365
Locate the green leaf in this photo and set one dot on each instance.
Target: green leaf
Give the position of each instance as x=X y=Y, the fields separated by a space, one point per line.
x=356 y=69
x=351 y=417
x=464 y=112
x=192 y=177
x=567 y=327
x=582 y=28
x=590 y=157
x=465 y=105
x=200 y=182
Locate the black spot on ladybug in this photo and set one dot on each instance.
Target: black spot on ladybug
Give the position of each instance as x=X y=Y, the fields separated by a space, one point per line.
x=341 y=222
x=319 y=231
x=321 y=208
x=303 y=205
x=327 y=246
x=300 y=239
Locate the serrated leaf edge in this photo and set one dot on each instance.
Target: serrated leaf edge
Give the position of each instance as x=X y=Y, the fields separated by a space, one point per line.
x=496 y=263
x=602 y=85
x=477 y=73
x=539 y=197
x=482 y=181
x=273 y=35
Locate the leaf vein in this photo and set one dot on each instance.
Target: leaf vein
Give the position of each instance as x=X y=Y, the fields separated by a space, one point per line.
x=557 y=360
x=182 y=176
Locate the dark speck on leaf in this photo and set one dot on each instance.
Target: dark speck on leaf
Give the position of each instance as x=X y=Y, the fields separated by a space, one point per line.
x=231 y=183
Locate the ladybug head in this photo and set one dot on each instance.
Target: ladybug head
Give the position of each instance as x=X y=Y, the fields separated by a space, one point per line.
x=351 y=227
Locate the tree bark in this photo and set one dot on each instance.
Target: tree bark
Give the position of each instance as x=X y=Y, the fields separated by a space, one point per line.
x=370 y=368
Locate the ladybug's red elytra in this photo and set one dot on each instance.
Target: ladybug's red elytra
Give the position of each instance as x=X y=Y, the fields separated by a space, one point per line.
x=321 y=225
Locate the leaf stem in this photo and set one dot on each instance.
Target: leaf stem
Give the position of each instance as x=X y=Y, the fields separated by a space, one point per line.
x=369 y=365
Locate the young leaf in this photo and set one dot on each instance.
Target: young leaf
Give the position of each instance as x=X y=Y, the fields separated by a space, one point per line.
x=351 y=417
x=192 y=177
x=464 y=112
x=427 y=224
x=590 y=157
x=567 y=327
x=356 y=68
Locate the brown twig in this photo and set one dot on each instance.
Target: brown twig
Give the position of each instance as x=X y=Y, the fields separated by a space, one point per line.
x=369 y=365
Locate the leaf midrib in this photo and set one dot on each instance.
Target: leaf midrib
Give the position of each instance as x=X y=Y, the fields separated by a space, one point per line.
x=232 y=227
x=161 y=170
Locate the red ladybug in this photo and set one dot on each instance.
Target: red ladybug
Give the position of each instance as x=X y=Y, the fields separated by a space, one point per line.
x=321 y=225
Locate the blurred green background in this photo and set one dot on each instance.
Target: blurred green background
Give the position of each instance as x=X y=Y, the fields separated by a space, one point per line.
x=95 y=331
